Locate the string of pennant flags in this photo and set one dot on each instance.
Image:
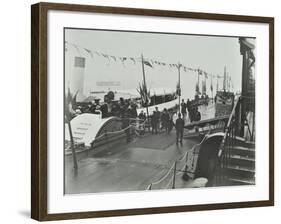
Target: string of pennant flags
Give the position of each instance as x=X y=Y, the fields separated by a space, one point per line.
x=148 y=62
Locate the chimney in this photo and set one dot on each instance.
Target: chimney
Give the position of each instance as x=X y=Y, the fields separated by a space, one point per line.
x=77 y=79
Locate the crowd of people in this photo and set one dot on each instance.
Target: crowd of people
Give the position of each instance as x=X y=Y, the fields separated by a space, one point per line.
x=191 y=108
x=161 y=120
x=126 y=109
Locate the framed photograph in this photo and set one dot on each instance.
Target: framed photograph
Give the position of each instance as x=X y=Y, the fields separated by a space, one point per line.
x=141 y=111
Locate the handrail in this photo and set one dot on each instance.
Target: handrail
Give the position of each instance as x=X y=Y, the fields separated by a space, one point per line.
x=228 y=127
x=173 y=167
x=206 y=121
x=226 y=143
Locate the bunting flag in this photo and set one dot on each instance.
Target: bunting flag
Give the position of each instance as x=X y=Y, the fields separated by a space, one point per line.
x=148 y=62
x=122 y=59
x=89 y=52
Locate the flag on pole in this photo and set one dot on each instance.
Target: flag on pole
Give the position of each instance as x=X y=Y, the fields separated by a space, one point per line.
x=197 y=89
x=144 y=93
x=147 y=63
x=203 y=87
x=211 y=83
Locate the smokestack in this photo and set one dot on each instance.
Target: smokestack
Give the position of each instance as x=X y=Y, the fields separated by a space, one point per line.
x=77 y=79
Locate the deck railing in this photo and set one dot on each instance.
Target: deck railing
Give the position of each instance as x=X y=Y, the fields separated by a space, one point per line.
x=180 y=167
x=227 y=143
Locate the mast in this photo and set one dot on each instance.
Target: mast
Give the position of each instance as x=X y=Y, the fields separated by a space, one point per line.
x=224 y=79
x=217 y=83
x=204 y=85
x=197 y=90
x=212 y=87
x=179 y=87
x=144 y=82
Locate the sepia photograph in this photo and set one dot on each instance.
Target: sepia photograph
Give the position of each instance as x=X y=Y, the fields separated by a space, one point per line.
x=146 y=111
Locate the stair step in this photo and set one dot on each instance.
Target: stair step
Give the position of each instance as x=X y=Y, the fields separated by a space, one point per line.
x=250 y=144
x=243 y=151
x=243 y=148
x=239 y=157
x=241 y=168
x=243 y=181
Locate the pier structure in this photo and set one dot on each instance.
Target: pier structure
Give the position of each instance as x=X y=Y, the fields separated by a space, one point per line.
x=218 y=149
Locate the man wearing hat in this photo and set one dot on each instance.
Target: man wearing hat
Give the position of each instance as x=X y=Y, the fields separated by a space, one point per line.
x=179 y=129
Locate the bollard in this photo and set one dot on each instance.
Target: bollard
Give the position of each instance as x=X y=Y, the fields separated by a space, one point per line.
x=174 y=177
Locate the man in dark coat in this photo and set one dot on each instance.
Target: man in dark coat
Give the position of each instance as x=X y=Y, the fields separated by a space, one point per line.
x=165 y=117
x=126 y=124
x=157 y=117
x=179 y=129
x=183 y=108
x=141 y=115
x=154 y=123
x=197 y=114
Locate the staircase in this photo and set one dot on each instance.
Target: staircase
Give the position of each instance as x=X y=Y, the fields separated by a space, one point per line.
x=239 y=167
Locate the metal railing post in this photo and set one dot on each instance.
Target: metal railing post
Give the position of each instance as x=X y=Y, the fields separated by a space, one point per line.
x=174 y=177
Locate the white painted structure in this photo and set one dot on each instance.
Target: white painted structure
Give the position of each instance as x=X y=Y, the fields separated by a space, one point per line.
x=77 y=78
x=85 y=128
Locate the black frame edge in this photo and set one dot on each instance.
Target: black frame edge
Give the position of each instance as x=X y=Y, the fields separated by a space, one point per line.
x=35 y=191
x=39 y=110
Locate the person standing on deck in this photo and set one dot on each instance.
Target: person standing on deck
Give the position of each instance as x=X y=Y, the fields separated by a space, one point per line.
x=170 y=123
x=141 y=115
x=157 y=117
x=183 y=108
x=165 y=117
x=179 y=129
x=126 y=123
x=154 y=123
